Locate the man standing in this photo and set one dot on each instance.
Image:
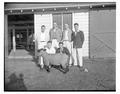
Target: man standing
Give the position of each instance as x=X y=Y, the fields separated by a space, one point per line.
x=78 y=39
x=55 y=35
x=41 y=40
x=67 y=40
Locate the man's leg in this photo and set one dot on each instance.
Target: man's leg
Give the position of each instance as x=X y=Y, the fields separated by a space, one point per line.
x=40 y=46
x=40 y=61
x=80 y=57
x=70 y=50
x=74 y=56
x=42 y=65
x=54 y=43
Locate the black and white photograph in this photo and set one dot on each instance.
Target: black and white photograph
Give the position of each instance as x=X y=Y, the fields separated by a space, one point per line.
x=59 y=46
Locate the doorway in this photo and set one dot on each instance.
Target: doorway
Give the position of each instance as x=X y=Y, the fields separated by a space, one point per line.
x=20 y=34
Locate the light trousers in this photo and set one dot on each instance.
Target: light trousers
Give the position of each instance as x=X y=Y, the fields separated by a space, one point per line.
x=77 y=56
x=55 y=43
x=68 y=45
x=40 y=46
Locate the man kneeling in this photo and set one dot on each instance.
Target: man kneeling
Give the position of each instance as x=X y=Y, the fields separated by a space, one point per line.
x=59 y=60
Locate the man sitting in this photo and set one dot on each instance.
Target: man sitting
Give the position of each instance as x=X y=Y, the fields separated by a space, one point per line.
x=62 y=49
x=58 y=60
x=49 y=48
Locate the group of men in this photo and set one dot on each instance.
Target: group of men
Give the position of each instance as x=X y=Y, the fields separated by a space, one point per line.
x=67 y=42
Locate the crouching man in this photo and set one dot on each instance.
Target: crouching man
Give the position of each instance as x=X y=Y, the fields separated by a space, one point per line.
x=57 y=59
x=41 y=40
x=49 y=48
x=63 y=50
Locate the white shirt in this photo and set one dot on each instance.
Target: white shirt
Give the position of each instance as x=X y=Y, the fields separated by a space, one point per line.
x=66 y=35
x=50 y=50
x=41 y=37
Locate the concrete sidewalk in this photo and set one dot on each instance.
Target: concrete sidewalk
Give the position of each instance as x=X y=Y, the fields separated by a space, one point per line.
x=101 y=76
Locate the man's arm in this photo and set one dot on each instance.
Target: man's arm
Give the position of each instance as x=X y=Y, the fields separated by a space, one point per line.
x=58 y=50
x=50 y=35
x=67 y=51
x=82 y=36
x=72 y=36
x=60 y=32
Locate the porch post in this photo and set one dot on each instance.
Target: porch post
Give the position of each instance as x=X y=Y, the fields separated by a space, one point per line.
x=6 y=35
x=14 y=41
x=27 y=40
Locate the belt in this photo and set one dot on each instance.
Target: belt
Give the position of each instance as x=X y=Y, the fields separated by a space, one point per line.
x=42 y=41
x=65 y=40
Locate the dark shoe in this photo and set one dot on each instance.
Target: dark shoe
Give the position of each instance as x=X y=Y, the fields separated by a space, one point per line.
x=56 y=66
x=47 y=68
x=65 y=70
x=81 y=68
x=59 y=67
x=72 y=64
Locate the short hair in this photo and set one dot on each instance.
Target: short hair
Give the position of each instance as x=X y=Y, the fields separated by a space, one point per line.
x=49 y=42
x=76 y=24
x=61 y=43
x=42 y=26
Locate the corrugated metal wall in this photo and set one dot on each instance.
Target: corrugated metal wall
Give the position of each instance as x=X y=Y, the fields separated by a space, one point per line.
x=102 y=33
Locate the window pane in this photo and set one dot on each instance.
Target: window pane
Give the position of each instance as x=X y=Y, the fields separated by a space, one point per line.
x=67 y=19
x=57 y=17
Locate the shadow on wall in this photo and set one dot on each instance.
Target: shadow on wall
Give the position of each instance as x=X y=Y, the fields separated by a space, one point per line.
x=15 y=83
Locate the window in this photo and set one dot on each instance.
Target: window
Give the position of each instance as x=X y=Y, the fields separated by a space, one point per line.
x=63 y=18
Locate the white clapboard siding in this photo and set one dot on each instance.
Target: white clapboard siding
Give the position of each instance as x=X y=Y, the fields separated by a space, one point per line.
x=45 y=19
x=83 y=20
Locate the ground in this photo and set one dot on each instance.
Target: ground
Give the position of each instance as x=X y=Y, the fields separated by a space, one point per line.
x=24 y=74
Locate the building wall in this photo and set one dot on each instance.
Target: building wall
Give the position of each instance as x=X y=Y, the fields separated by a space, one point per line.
x=39 y=20
x=82 y=19
x=102 y=33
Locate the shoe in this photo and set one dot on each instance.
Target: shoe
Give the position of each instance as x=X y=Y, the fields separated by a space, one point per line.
x=65 y=70
x=85 y=70
x=47 y=68
x=70 y=65
x=41 y=67
x=81 y=68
